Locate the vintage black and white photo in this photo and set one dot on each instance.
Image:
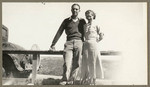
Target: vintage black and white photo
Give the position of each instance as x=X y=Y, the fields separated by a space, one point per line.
x=74 y=43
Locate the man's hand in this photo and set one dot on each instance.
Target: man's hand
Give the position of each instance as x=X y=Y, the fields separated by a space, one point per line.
x=52 y=48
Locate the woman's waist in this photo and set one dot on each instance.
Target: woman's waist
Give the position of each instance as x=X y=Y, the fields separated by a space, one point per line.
x=92 y=43
x=91 y=38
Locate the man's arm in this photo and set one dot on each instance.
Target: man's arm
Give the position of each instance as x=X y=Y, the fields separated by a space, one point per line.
x=58 y=34
x=83 y=23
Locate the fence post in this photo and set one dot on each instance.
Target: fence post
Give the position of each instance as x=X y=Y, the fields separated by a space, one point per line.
x=34 y=68
x=38 y=61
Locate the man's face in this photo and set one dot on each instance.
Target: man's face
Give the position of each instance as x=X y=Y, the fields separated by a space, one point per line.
x=75 y=10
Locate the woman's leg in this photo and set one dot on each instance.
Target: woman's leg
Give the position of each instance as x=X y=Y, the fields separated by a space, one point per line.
x=99 y=67
x=84 y=65
x=92 y=55
x=92 y=65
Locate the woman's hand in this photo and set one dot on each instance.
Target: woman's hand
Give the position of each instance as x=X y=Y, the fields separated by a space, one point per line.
x=100 y=37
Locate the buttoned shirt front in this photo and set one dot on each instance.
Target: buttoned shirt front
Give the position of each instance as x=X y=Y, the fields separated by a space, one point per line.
x=91 y=31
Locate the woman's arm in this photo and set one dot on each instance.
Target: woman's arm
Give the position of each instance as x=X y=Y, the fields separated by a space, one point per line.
x=100 y=34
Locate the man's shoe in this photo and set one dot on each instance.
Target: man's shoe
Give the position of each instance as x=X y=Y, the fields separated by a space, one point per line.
x=69 y=83
x=63 y=83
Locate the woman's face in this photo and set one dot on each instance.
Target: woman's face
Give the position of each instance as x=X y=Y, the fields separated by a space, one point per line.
x=89 y=16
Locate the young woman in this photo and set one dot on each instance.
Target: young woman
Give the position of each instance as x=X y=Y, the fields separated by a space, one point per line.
x=91 y=62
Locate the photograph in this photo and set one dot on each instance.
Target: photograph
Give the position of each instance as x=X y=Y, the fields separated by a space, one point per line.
x=74 y=43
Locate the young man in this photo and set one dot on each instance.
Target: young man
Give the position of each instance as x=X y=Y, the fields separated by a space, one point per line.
x=73 y=27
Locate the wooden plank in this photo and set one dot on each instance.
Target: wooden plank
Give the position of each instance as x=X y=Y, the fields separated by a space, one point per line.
x=33 y=52
x=46 y=52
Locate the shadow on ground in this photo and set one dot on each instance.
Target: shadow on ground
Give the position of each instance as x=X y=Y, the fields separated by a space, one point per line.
x=52 y=81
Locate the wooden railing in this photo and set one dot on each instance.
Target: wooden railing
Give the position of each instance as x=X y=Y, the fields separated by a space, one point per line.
x=36 y=57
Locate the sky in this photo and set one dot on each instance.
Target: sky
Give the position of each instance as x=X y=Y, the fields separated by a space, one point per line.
x=124 y=26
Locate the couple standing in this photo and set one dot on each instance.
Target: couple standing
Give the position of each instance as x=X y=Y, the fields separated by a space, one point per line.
x=80 y=50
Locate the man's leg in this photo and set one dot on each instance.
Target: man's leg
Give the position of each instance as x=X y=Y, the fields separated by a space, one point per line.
x=77 y=51
x=68 y=55
x=67 y=63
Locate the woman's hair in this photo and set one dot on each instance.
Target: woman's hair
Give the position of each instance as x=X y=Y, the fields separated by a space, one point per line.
x=90 y=11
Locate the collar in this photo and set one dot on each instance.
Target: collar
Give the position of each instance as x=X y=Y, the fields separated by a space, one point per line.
x=70 y=18
x=93 y=23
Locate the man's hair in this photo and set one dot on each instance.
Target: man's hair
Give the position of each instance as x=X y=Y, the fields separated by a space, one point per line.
x=74 y=5
x=90 y=11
